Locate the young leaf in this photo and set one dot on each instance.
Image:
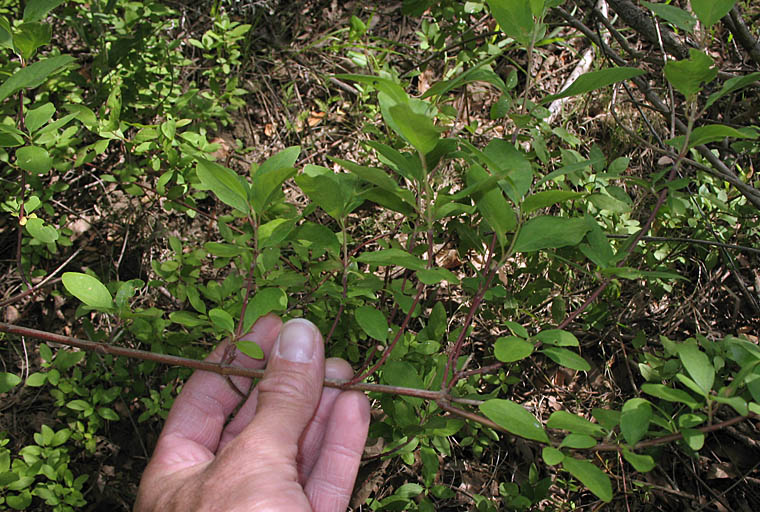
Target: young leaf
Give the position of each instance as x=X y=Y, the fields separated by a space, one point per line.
x=732 y=85
x=687 y=76
x=88 y=289
x=250 y=348
x=509 y=349
x=591 y=476
x=641 y=463
x=373 y=322
x=392 y=257
x=33 y=75
x=578 y=442
x=634 y=419
x=42 y=232
x=34 y=159
x=417 y=128
x=549 y=232
x=36 y=10
x=36 y=117
x=670 y=394
x=566 y=358
x=8 y=381
x=264 y=301
x=552 y=456
x=493 y=206
x=547 y=198
x=269 y=177
x=595 y=80
x=225 y=183
x=222 y=320
x=698 y=365
x=514 y=418
x=514 y=18
x=573 y=423
x=670 y=13
x=558 y=338
x=710 y=12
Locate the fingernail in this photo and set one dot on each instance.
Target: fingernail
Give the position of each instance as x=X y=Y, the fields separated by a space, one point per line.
x=297 y=340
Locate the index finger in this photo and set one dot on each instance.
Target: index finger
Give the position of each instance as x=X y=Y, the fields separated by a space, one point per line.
x=207 y=399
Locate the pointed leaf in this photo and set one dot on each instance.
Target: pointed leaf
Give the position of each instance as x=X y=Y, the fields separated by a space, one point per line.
x=269 y=177
x=514 y=17
x=225 y=183
x=733 y=85
x=698 y=365
x=547 y=198
x=573 y=423
x=250 y=348
x=595 y=80
x=549 y=232
x=392 y=257
x=36 y=10
x=566 y=358
x=688 y=75
x=509 y=349
x=591 y=476
x=634 y=419
x=710 y=12
x=264 y=301
x=88 y=289
x=33 y=75
x=373 y=322
x=8 y=381
x=670 y=13
x=222 y=320
x=514 y=418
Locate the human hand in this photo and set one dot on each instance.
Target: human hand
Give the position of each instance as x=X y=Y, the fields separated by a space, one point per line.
x=290 y=446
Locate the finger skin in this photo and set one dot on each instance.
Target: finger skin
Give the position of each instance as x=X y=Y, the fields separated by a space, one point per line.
x=331 y=481
x=191 y=433
x=312 y=439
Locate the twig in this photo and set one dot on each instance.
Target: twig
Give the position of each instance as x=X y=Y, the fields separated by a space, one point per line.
x=42 y=283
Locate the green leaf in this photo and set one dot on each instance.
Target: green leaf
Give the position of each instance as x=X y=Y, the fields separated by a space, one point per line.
x=564 y=420
x=223 y=250
x=384 y=85
x=373 y=322
x=591 y=476
x=33 y=75
x=479 y=73
x=578 y=442
x=37 y=117
x=264 y=301
x=634 y=419
x=493 y=206
x=406 y=164
x=187 y=319
x=607 y=418
x=436 y=275
x=34 y=159
x=558 y=338
x=698 y=365
x=549 y=232
x=392 y=257
x=418 y=129
x=733 y=85
x=641 y=463
x=710 y=12
x=36 y=379
x=713 y=133
x=670 y=394
x=595 y=80
x=511 y=165
x=509 y=349
x=78 y=405
x=693 y=438
x=250 y=348
x=517 y=329
x=35 y=10
x=514 y=418
x=547 y=198
x=404 y=374
x=379 y=178
x=609 y=203
x=108 y=414
x=672 y=14
x=566 y=358
x=222 y=320
x=688 y=75
x=29 y=37
x=226 y=184
x=514 y=18
x=8 y=381
x=88 y=289
x=42 y=232
x=268 y=178
x=552 y=456
x=19 y=501
x=335 y=193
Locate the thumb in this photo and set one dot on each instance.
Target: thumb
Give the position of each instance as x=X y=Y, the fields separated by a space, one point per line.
x=291 y=388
